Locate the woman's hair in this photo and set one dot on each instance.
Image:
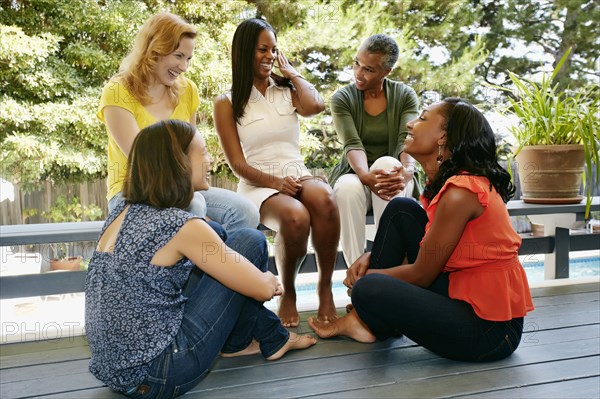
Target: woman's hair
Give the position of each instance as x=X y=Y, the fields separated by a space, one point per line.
x=470 y=139
x=242 y=63
x=159 y=171
x=159 y=36
x=384 y=45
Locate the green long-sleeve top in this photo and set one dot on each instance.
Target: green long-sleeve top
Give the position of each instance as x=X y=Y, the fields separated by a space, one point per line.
x=347 y=109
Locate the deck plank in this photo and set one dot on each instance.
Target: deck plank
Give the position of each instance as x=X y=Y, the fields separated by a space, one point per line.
x=453 y=385
x=580 y=388
x=560 y=350
x=417 y=370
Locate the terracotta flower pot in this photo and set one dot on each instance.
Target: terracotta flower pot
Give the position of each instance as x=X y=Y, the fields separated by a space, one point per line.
x=551 y=174
x=70 y=263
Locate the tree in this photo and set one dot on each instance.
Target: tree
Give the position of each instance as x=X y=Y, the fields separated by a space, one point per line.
x=54 y=59
x=53 y=62
x=55 y=56
x=527 y=37
x=322 y=39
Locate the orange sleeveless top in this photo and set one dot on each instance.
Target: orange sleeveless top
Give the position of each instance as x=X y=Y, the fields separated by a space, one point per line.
x=485 y=270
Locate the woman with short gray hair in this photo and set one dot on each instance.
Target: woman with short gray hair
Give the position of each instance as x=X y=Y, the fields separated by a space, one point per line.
x=370 y=117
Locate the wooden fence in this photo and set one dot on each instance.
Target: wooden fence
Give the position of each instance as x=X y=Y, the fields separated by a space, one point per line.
x=89 y=193
x=94 y=193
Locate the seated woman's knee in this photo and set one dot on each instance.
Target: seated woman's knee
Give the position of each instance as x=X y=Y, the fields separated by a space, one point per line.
x=366 y=289
x=323 y=201
x=385 y=162
x=404 y=204
x=295 y=220
x=252 y=244
x=348 y=189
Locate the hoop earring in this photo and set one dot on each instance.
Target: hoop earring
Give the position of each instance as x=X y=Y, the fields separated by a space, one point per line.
x=439 y=158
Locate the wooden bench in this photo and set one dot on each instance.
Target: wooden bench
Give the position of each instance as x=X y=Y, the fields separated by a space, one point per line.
x=558 y=243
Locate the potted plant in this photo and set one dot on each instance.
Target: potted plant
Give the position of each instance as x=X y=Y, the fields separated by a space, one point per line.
x=63 y=210
x=61 y=259
x=557 y=144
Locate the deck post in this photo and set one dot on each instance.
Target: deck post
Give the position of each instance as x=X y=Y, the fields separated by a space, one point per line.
x=551 y=223
x=561 y=249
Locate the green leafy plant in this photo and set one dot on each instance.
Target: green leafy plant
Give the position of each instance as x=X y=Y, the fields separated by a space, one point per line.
x=549 y=116
x=64 y=210
x=60 y=251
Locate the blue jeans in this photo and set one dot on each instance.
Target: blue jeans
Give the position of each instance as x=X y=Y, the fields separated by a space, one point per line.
x=215 y=319
x=225 y=207
x=391 y=307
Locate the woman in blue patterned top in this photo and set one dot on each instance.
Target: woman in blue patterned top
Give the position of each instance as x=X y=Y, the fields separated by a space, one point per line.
x=154 y=322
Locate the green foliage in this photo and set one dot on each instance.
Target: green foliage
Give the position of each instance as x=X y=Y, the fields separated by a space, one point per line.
x=54 y=60
x=55 y=56
x=547 y=26
x=550 y=116
x=320 y=145
x=220 y=167
x=64 y=210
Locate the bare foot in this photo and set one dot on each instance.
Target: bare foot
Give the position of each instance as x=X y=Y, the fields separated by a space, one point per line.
x=288 y=313
x=350 y=326
x=251 y=349
x=294 y=342
x=327 y=311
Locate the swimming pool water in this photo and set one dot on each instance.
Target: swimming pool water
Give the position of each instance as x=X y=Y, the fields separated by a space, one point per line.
x=307 y=297
x=578 y=268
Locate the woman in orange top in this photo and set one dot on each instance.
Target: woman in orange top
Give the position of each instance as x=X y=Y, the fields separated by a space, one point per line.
x=447 y=276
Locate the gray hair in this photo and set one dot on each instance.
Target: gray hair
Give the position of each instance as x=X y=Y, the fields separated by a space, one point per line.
x=382 y=44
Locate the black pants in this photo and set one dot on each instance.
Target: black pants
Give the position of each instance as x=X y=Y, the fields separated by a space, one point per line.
x=447 y=327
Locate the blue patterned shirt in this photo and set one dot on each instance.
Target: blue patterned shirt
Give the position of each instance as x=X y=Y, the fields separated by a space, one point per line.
x=134 y=309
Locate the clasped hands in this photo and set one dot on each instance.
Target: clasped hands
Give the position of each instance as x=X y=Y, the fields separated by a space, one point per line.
x=358 y=270
x=386 y=183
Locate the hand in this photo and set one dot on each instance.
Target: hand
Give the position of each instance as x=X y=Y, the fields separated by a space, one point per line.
x=278 y=290
x=357 y=270
x=389 y=182
x=277 y=287
x=286 y=69
x=290 y=186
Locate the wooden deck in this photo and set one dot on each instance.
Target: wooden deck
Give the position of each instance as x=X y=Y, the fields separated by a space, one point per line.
x=559 y=357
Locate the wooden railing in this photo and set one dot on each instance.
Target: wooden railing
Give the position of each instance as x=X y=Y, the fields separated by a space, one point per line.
x=557 y=243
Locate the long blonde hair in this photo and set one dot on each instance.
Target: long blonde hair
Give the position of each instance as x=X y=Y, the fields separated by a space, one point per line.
x=158 y=37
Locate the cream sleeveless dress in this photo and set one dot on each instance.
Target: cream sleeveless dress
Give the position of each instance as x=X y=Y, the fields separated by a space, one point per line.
x=269 y=134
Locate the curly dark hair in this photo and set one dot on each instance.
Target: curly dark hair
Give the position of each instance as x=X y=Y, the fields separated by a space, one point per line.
x=471 y=141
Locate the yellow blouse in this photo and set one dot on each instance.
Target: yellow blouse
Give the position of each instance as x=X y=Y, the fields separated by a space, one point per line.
x=116 y=94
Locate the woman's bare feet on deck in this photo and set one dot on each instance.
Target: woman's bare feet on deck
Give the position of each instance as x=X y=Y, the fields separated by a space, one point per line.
x=288 y=313
x=251 y=349
x=294 y=342
x=327 y=311
x=350 y=326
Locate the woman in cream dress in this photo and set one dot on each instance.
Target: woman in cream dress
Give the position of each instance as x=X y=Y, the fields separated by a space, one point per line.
x=258 y=126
